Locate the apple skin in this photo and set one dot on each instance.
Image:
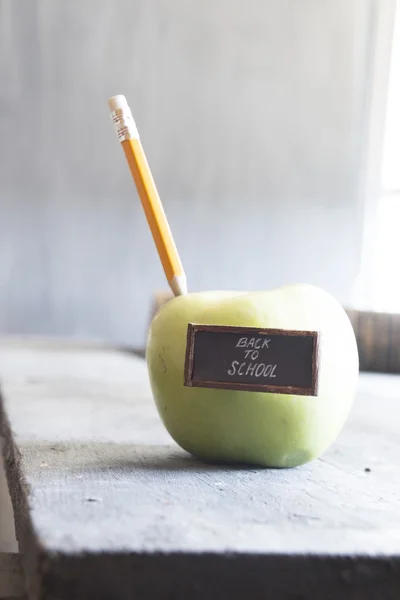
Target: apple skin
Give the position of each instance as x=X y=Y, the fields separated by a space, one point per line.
x=266 y=429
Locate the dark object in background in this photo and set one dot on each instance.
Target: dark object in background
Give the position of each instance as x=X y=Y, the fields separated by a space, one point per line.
x=378 y=340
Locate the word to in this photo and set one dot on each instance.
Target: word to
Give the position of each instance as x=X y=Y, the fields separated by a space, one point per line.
x=251 y=348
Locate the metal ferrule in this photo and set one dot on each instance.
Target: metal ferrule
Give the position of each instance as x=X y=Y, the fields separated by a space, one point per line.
x=124 y=124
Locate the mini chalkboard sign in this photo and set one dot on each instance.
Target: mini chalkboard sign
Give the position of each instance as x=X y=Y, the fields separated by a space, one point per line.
x=281 y=361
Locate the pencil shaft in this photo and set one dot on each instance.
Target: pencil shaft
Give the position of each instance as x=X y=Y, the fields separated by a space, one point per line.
x=153 y=209
x=128 y=135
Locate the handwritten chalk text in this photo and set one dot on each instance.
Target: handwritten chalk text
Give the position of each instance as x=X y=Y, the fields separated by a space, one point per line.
x=252 y=369
x=257 y=343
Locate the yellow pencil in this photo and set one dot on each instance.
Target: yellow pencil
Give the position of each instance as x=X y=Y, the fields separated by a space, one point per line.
x=129 y=137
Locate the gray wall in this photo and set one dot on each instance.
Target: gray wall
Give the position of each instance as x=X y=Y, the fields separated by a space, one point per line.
x=253 y=118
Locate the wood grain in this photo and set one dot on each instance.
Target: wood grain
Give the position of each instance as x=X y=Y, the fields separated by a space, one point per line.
x=11 y=578
x=7 y=532
x=378 y=340
x=108 y=507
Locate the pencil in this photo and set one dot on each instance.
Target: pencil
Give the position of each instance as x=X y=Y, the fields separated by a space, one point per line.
x=129 y=137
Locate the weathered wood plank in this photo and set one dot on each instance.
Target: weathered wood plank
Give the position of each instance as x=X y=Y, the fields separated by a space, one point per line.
x=11 y=578
x=378 y=340
x=107 y=507
x=8 y=542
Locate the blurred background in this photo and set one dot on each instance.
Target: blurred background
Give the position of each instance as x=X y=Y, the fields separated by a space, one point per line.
x=264 y=124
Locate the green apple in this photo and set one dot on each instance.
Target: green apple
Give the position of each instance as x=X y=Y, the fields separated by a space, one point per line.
x=269 y=429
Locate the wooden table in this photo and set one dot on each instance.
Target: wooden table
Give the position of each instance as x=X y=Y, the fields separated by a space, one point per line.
x=108 y=507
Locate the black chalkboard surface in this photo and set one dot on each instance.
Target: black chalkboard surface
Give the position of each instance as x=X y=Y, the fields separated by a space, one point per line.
x=248 y=358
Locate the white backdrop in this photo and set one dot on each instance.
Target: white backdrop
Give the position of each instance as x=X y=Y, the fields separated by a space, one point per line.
x=253 y=121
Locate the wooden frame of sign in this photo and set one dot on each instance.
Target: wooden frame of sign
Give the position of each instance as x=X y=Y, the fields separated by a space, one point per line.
x=279 y=361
